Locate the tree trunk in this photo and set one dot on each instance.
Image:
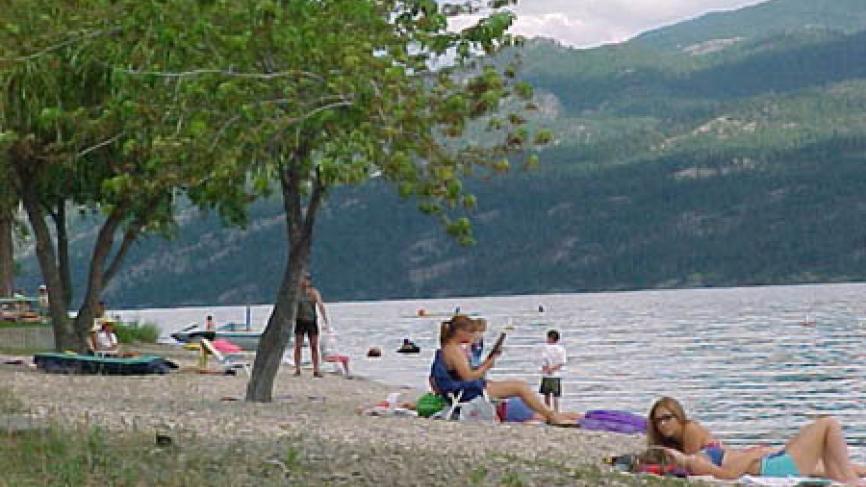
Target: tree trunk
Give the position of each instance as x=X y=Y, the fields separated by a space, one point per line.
x=299 y=229
x=7 y=253
x=96 y=278
x=63 y=251
x=279 y=329
x=64 y=336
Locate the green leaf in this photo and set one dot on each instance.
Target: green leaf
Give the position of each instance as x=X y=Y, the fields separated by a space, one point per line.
x=543 y=137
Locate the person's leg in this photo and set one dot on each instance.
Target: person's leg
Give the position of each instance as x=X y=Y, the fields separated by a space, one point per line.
x=510 y=388
x=557 y=392
x=299 y=342
x=822 y=442
x=545 y=391
x=860 y=470
x=314 y=353
x=837 y=462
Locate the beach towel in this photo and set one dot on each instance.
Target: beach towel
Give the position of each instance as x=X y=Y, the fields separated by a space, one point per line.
x=614 y=421
x=784 y=481
x=388 y=407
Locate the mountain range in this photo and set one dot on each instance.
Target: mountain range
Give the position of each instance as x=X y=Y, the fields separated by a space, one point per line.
x=727 y=150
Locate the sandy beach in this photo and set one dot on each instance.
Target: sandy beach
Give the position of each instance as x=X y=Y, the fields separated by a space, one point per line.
x=320 y=416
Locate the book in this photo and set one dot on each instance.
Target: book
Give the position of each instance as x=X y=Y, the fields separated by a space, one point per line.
x=497 y=347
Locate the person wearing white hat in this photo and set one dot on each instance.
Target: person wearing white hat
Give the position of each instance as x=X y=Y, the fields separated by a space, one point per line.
x=102 y=337
x=43 y=297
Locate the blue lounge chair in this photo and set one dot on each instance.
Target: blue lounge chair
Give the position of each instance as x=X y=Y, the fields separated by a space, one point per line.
x=453 y=389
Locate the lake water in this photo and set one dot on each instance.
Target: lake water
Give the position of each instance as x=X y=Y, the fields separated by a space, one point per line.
x=753 y=364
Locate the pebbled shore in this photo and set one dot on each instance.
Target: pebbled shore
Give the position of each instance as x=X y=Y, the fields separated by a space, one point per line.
x=319 y=418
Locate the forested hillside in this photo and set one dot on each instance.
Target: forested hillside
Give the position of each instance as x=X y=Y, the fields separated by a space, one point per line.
x=728 y=150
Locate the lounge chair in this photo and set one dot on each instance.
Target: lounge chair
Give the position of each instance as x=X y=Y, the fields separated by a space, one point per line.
x=454 y=391
x=227 y=361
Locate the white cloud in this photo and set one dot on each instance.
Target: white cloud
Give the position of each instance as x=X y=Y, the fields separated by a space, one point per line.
x=585 y=23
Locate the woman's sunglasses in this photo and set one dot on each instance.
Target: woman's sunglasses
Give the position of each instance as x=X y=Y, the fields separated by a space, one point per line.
x=664 y=418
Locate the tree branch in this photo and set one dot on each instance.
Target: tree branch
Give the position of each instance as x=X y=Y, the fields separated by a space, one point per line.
x=222 y=130
x=98 y=146
x=58 y=46
x=223 y=72
x=342 y=101
x=288 y=123
x=128 y=239
x=315 y=202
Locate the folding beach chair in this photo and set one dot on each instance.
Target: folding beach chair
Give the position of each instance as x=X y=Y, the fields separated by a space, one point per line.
x=455 y=392
x=227 y=361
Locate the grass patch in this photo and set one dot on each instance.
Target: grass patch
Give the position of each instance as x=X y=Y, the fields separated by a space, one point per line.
x=134 y=332
x=60 y=456
x=23 y=351
x=21 y=324
x=478 y=476
x=9 y=404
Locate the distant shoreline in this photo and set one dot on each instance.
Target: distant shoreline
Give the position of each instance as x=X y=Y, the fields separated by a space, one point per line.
x=415 y=302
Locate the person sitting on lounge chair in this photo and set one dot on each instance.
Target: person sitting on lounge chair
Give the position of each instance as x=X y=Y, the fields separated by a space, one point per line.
x=103 y=340
x=451 y=372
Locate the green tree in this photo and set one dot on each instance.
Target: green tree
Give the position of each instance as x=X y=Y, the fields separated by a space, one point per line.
x=315 y=94
x=79 y=134
x=309 y=94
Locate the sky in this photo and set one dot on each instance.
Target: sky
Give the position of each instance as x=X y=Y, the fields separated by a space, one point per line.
x=586 y=23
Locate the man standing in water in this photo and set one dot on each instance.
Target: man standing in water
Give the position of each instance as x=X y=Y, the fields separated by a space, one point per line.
x=309 y=301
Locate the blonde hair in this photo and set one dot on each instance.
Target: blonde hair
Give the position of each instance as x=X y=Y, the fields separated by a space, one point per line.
x=448 y=328
x=654 y=437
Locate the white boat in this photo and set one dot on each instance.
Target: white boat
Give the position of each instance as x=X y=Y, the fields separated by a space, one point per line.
x=238 y=333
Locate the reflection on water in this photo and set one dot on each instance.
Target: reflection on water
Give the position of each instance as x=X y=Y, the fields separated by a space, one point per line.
x=751 y=363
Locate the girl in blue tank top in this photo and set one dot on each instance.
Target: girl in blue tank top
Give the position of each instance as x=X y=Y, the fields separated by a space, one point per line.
x=818 y=450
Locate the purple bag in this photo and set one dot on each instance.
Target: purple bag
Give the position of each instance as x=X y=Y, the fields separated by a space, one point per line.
x=613 y=420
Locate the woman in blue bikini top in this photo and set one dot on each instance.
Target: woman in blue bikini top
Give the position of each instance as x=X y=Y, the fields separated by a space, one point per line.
x=818 y=450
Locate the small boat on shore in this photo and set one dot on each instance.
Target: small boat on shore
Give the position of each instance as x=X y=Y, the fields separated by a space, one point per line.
x=238 y=333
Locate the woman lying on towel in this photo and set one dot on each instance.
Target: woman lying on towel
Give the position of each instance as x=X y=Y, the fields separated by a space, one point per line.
x=818 y=450
x=461 y=330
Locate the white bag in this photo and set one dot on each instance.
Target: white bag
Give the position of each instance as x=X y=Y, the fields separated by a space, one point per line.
x=478 y=409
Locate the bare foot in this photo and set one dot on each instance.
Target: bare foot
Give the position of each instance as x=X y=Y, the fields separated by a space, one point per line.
x=317 y=374
x=557 y=419
x=297 y=372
